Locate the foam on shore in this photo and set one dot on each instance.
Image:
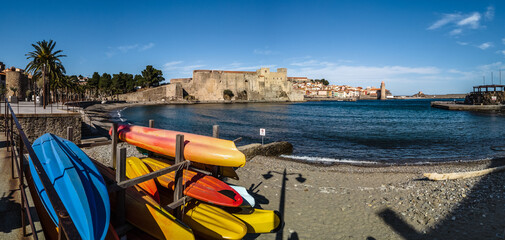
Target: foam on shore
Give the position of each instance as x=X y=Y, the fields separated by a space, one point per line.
x=326 y=160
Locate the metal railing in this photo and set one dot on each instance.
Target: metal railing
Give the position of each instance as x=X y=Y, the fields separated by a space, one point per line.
x=17 y=148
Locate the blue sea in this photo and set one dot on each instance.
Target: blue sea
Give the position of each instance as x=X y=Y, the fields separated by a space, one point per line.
x=392 y=131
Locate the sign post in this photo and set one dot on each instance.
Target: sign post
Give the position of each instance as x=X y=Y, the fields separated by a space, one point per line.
x=262 y=134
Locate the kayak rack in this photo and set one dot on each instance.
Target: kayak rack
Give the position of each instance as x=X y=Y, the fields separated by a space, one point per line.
x=121 y=183
x=18 y=159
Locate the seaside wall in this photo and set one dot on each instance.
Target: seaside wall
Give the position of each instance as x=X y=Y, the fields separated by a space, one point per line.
x=261 y=85
x=169 y=92
x=36 y=125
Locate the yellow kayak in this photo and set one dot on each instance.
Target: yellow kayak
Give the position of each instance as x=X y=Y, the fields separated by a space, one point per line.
x=205 y=220
x=143 y=212
x=261 y=221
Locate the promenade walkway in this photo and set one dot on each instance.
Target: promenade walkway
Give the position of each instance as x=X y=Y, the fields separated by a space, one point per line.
x=10 y=201
x=30 y=108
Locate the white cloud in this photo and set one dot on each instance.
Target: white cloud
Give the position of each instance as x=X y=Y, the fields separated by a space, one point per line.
x=503 y=52
x=457 y=23
x=446 y=19
x=456 y=31
x=127 y=48
x=462 y=43
x=175 y=68
x=472 y=21
x=147 y=46
x=489 y=13
x=491 y=67
x=265 y=51
x=485 y=45
x=503 y=40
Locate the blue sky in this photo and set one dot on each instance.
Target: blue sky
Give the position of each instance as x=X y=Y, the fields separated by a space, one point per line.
x=430 y=46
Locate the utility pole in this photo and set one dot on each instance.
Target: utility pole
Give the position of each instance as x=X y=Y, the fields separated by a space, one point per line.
x=484 y=80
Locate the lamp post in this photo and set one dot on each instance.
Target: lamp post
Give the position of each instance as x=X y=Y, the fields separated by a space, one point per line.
x=282 y=199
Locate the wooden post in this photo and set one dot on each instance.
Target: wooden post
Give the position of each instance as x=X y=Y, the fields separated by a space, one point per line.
x=215 y=131
x=151 y=123
x=114 y=145
x=179 y=157
x=120 y=197
x=21 y=183
x=70 y=134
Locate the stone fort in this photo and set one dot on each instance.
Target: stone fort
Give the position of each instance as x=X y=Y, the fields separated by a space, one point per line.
x=259 y=85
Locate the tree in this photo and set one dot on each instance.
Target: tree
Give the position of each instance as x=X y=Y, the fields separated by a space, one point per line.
x=93 y=83
x=105 y=83
x=45 y=61
x=151 y=76
x=323 y=81
x=228 y=94
x=139 y=80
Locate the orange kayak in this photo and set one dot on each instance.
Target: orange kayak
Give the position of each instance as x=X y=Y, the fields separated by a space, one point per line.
x=197 y=185
x=198 y=148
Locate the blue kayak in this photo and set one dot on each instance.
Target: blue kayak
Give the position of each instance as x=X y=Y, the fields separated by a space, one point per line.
x=78 y=183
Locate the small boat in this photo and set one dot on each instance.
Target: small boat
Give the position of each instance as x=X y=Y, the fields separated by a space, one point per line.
x=77 y=182
x=197 y=148
x=205 y=220
x=197 y=185
x=145 y=213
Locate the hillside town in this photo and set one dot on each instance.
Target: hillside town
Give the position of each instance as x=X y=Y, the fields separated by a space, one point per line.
x=318 y=89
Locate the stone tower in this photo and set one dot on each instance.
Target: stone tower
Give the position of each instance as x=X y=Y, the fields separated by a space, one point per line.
x=16 y=78
x=383 y=91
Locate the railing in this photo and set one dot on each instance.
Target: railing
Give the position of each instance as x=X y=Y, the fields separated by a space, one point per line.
x=66 y=227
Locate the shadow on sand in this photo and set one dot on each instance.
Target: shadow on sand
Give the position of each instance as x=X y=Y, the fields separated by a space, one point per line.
x=479 y=216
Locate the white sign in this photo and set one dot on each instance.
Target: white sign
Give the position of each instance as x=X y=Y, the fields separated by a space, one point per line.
x=262 y=132
x=493 y=98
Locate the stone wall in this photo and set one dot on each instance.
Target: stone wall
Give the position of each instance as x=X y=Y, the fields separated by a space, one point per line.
x=260 y=85
x=169 y=92
x=36 y=125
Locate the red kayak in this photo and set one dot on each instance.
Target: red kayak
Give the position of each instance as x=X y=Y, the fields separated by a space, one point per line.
x=197 y=148
x=197 y=185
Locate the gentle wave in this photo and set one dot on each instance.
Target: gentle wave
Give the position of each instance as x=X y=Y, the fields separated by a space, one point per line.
x=326 y=160
x=120 y=116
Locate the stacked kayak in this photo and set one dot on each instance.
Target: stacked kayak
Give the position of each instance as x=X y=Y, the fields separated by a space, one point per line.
x=145 y=213
x=77 y=182
x=197 y=185
x=197 y=148
x=205 y=220
x=216 y=210
x=256 y=220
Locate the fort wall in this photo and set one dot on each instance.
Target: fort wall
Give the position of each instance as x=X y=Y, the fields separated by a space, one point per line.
x=169 y=92
x=260 y=85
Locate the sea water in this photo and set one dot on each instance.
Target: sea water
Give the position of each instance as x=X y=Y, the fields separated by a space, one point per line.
x=392 y=131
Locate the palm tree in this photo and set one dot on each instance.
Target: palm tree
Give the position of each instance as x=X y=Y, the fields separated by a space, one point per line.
x=46 y=63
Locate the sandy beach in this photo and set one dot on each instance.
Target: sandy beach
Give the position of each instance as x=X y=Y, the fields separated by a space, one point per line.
x=363 y=202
